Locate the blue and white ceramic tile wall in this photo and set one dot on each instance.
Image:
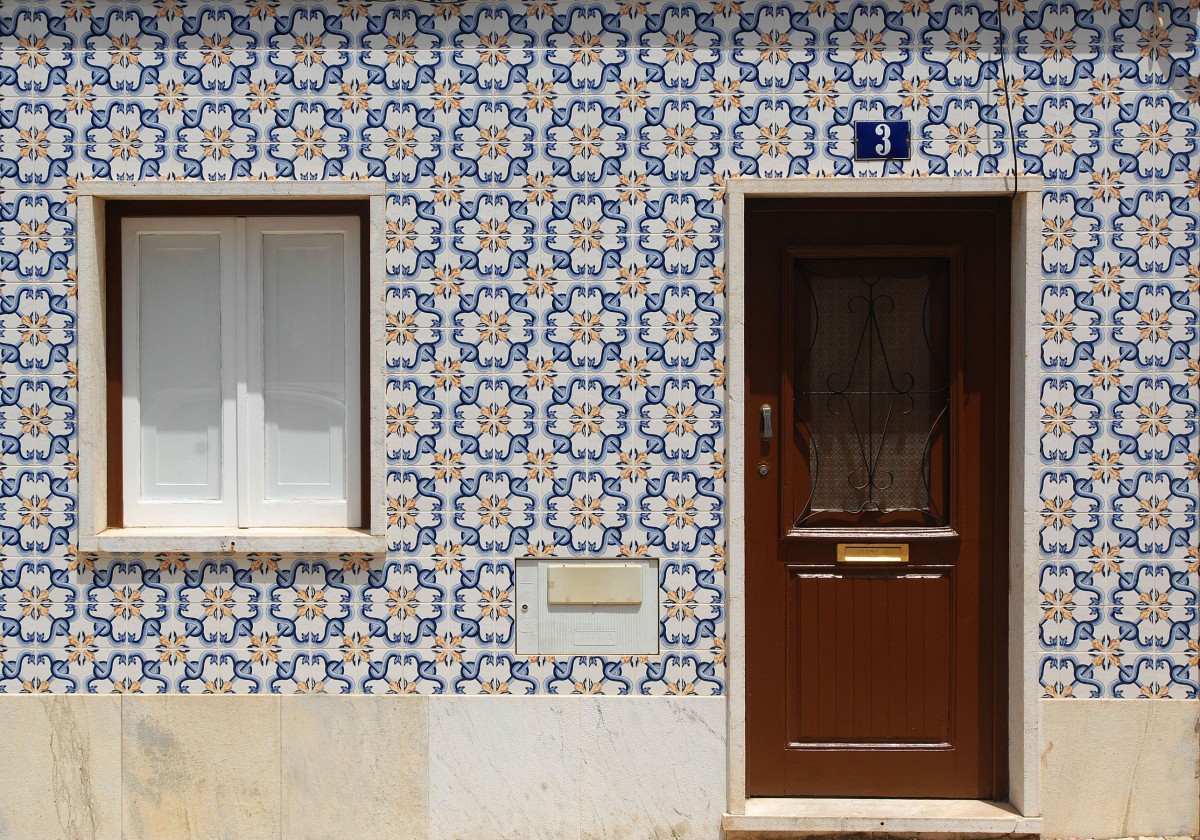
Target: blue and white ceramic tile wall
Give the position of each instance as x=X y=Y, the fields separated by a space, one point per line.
x=555 y=306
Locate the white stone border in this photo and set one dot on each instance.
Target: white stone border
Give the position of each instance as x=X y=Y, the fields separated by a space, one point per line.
x=93 y=374
x=1026 y=268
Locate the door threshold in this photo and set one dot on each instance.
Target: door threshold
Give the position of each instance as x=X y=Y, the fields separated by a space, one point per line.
x=770 y=816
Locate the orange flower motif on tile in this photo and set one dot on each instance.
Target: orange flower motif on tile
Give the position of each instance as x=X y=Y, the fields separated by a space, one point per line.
x=1058 y=512
x=1059 y=232
x=1153 y=512
x=964 y=45
x=493 y=602
x=448 y=648
x=34 y=511
x=1154 y=606
x=308 y=685
x=1105 y=559
x=585 y=48
x=1154 y=230
x=124 y=51
x=1106 y=373
x=681 y=603
x=1153 y=418
x=448 y=557
x=34 y=602
x=773 y=46
x=868 y=46
x=356 y=648
x=402 y=511
x=1058 y=605
x=493 y=49
x=1058 y=44
x=1059 y=326
x=1155 y=42
x=127 y=602
x=1106 y=652
x=172 y=648
x=1153 y=325
x=586 y=510
x=448 y=465
x=1060 y=138
x=494 y=510
x=310 y=602
x=964 y=139
x=217 y=602
x=1105 y=466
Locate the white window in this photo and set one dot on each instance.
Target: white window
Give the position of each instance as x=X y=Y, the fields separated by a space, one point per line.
x=241 y=372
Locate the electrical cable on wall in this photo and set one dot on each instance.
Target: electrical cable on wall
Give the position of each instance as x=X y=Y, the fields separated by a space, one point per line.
x=1009 y=83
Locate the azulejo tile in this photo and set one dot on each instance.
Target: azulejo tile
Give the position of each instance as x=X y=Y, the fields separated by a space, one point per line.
x=555 y=319
x=1158 y=677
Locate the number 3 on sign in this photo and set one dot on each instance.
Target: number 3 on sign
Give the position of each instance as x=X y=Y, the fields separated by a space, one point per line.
x=881 y=140
x=885 y=131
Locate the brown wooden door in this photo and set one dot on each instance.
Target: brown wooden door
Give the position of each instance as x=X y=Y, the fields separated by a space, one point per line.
x=877 y=338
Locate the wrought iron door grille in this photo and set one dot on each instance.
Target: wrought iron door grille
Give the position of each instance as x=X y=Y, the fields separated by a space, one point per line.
x=871 y=389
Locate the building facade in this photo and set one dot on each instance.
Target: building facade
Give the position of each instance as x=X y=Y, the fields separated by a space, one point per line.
x=558 y=293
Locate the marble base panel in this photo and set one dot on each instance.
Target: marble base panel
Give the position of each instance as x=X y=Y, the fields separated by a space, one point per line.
x=654 y=769
x=355 y=766
x=593 y=768
x=79 y=766
x=531 y=768
x=200 y=767
x=60 y=767
x=1120 y=768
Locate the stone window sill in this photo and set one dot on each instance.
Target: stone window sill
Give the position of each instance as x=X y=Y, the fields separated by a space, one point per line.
x=235 y=541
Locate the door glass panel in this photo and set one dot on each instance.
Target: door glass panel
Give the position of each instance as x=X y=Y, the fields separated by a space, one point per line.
x=871 y=389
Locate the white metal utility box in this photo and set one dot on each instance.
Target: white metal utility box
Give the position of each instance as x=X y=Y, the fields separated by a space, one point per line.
x=592 y=605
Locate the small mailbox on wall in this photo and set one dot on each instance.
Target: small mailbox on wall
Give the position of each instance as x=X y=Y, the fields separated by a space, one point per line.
x=591 y=605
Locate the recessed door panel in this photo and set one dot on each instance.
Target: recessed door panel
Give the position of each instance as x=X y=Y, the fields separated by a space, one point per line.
x=876 y=335
x=852 y=635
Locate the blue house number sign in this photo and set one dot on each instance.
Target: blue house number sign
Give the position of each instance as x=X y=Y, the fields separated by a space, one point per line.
x=881 y=140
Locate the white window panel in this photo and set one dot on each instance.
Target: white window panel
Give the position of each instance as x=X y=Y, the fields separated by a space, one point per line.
x=179 y=358
x=302 y=419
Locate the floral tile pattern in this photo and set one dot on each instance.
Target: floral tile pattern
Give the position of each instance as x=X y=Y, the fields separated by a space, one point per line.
x=556 y=309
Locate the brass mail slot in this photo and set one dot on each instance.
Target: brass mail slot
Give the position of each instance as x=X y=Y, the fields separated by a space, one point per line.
x=872 y=552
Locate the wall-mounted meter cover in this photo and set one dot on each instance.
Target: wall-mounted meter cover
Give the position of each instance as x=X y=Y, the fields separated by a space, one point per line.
x=590 y=605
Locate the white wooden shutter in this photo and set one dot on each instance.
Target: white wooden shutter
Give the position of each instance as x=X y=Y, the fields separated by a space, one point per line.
x=179 y=359
x=302 y=411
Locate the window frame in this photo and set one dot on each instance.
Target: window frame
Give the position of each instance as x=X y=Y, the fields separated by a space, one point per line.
x=101 y=205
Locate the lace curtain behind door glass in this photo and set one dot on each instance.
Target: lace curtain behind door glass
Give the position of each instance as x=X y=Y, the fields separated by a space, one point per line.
x=872 y=386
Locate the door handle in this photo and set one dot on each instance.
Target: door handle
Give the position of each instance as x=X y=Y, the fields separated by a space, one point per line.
x=765 y=411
